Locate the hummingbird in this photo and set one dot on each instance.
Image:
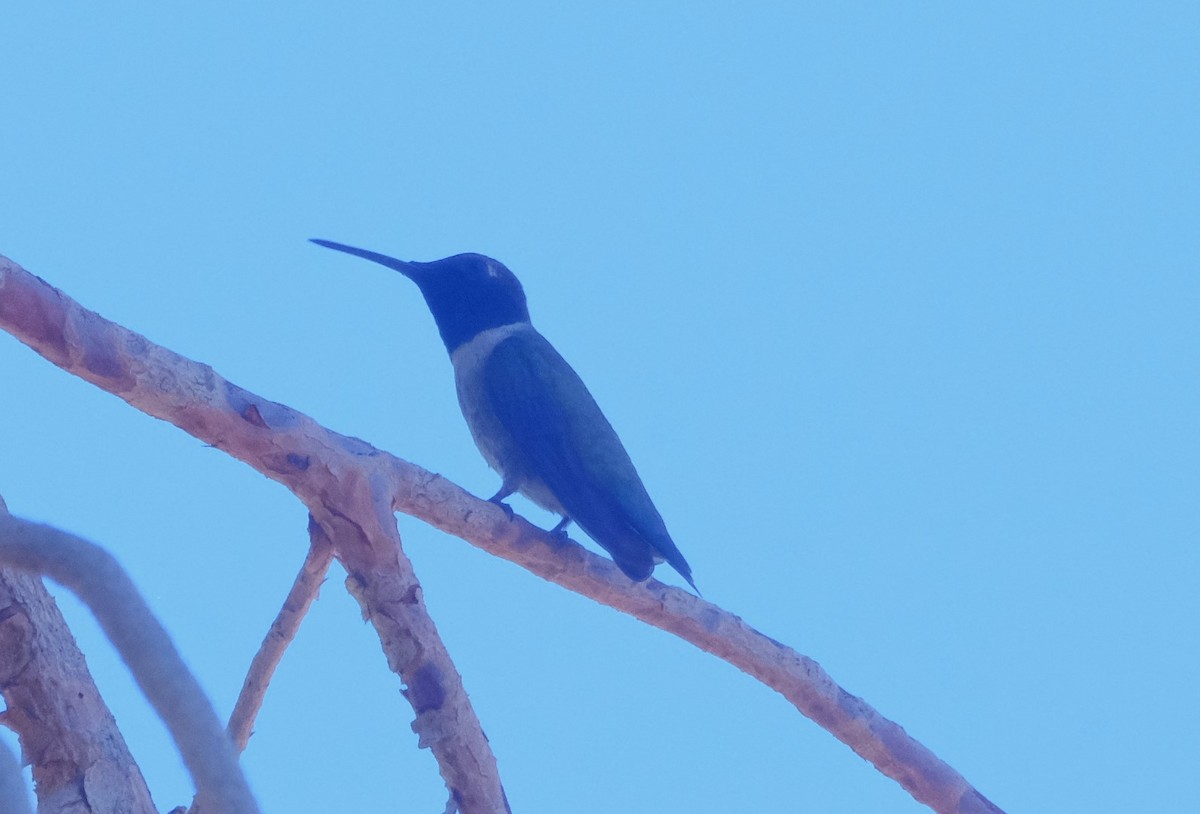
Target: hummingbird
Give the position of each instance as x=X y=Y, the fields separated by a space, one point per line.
x=531 y=416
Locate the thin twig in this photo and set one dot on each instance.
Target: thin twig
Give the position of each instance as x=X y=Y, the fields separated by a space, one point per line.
x=283 y=630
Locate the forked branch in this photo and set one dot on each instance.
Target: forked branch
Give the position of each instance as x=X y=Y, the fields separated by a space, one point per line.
x=348 y=497
x=328 y=470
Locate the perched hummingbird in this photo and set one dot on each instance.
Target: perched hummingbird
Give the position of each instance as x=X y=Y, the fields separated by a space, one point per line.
x=531 y=415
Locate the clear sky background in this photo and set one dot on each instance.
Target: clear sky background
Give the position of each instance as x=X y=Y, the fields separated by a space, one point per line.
x=895 y=307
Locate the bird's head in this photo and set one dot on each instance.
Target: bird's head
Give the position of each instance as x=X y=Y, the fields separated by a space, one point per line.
x=467 y=293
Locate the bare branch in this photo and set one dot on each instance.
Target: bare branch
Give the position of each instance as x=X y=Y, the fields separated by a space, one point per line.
x=328 y=470
x=283 y=630
x=103 y=585
x=80 y=761
x=347 y=496
x=67 y=732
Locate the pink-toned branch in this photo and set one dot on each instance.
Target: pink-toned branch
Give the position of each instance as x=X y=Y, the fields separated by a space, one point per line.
x=347 y=496
x=283 y=630
x=326 y=469
x=66 y=731
x=96 y=578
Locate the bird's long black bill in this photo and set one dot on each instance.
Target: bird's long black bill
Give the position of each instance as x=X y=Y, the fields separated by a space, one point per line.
x=409 y=270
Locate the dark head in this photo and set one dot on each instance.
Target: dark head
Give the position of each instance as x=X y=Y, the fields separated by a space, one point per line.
x=466 y=293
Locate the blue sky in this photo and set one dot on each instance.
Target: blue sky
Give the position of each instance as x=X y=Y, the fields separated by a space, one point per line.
x=893 y=306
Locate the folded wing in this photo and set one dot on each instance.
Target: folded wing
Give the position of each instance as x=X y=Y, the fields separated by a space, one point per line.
x=565 y=441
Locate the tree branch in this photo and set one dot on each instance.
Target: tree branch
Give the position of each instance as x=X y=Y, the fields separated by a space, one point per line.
x=328 y=470
x=349 y=499
x=282 y=631
x=80 y=761
x=103 y=585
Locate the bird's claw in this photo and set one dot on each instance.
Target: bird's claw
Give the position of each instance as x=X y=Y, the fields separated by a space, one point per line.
x=496 y=501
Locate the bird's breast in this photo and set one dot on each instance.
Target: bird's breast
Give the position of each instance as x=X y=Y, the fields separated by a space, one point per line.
x=469 y=360
x=495 y=441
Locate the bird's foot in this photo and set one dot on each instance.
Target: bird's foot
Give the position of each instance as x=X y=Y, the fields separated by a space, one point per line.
x=560 y=530
x=498 y=500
